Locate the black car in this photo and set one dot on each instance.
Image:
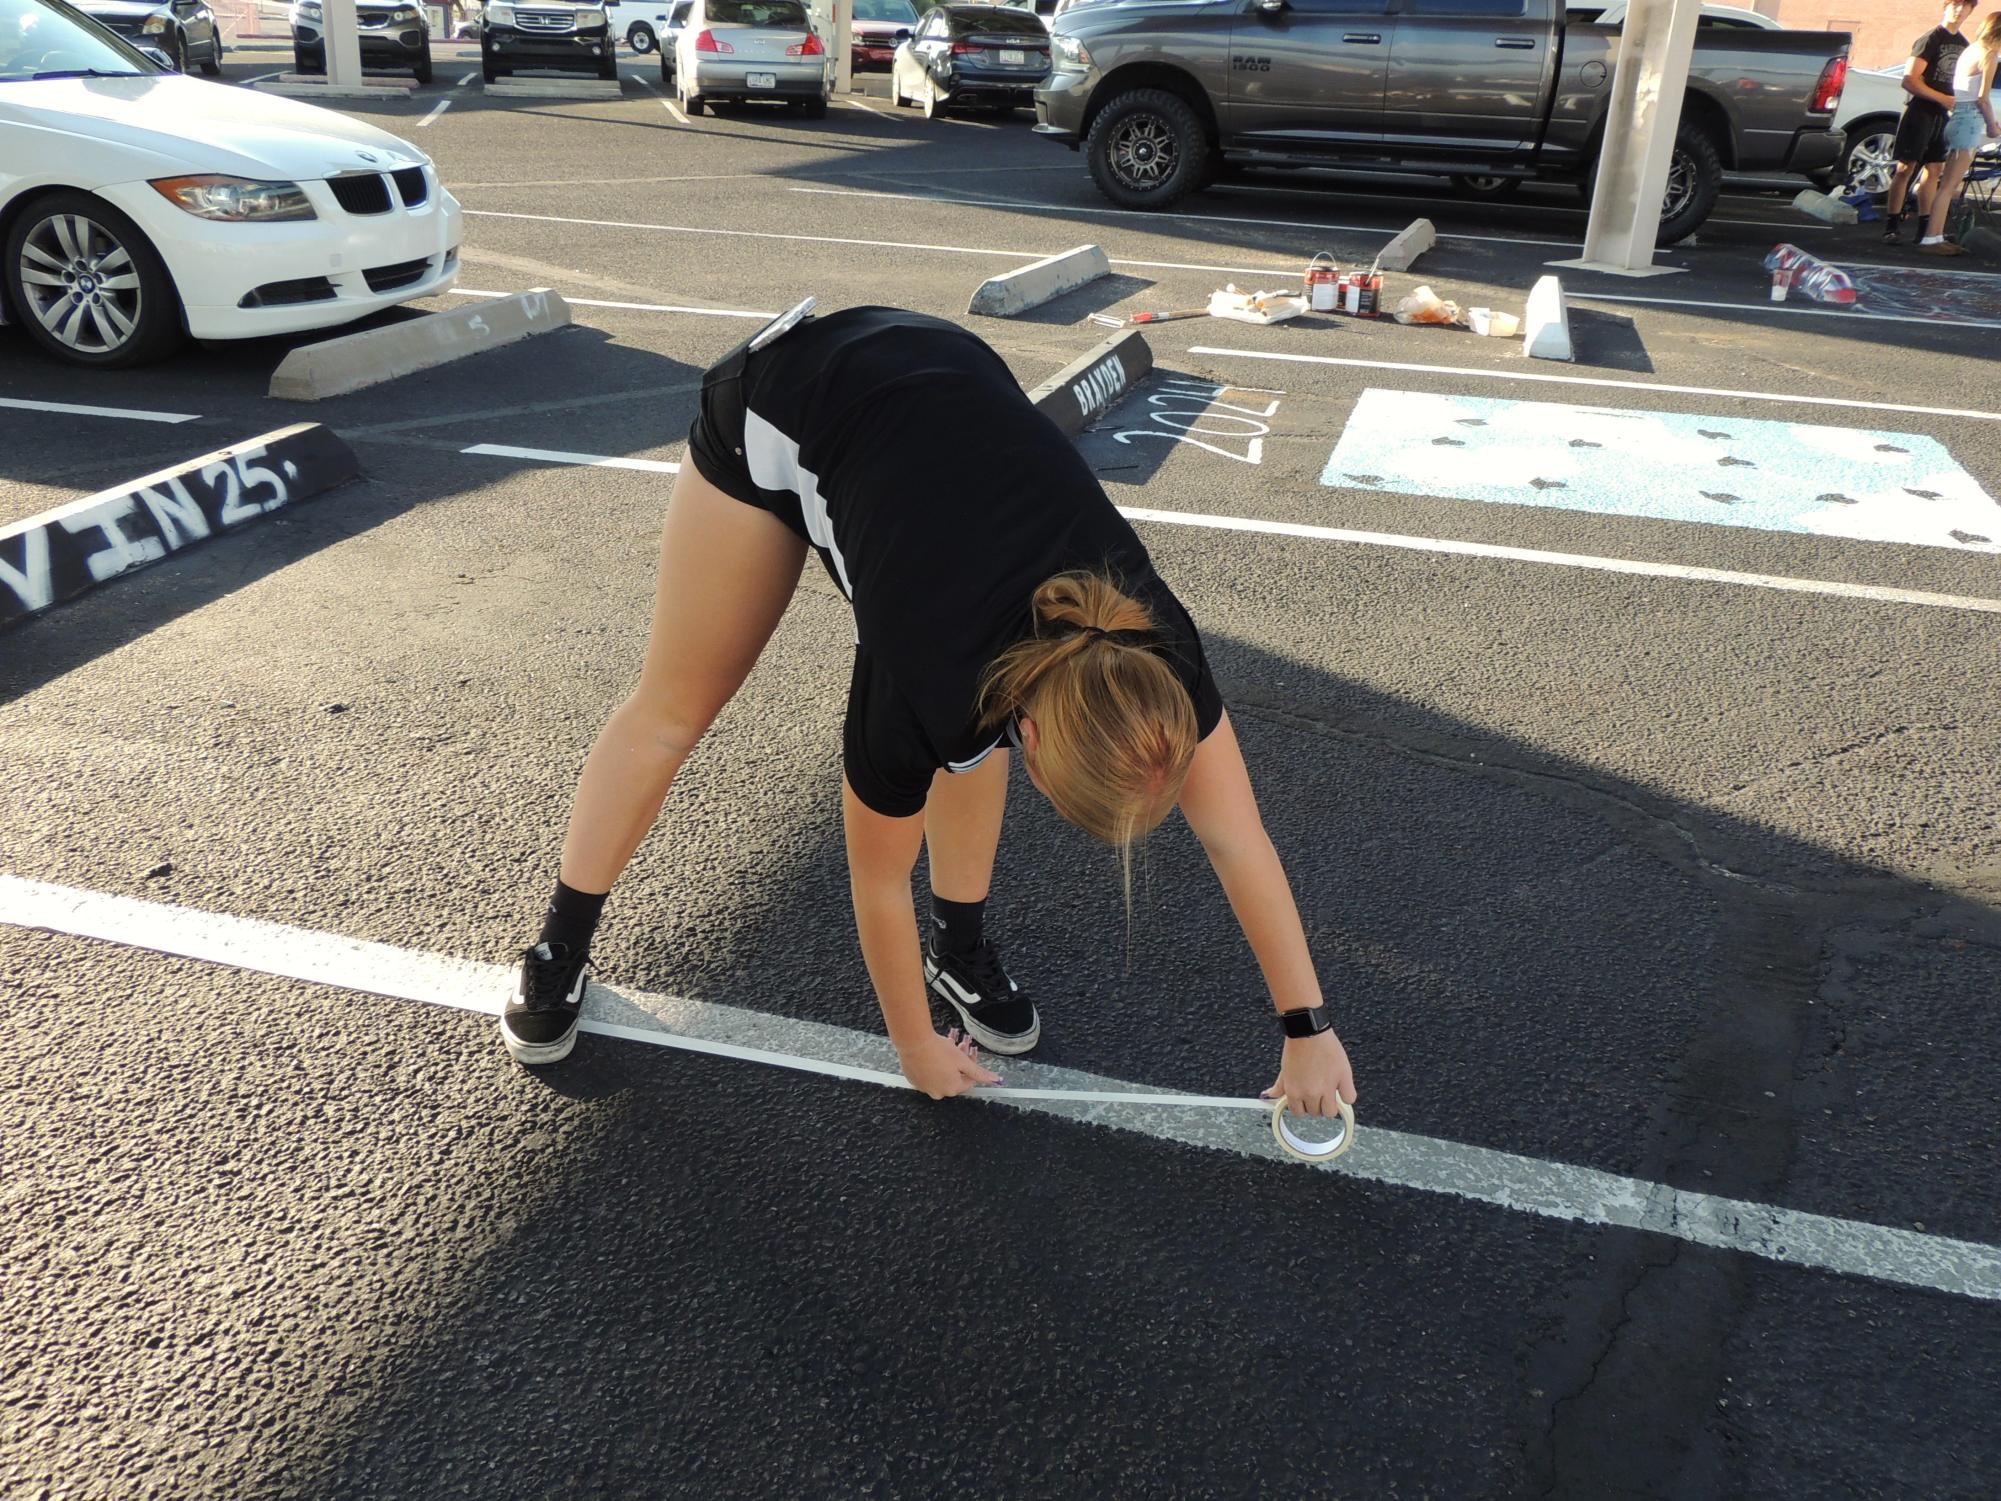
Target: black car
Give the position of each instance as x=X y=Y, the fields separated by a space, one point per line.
x=995 y=55
x=559 y=36
x=395 y=34
x=184 y=30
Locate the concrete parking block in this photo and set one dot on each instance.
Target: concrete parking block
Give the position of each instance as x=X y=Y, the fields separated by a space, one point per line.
x=1402 y=252
x=1546 y=325
x=1084 y=391
x=554 y=88
x=336 y=366
x=1032 y=285
x=314 y=86
x=1827 y=210
x=58 y=554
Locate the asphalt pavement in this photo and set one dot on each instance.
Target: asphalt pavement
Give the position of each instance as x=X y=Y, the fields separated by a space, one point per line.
x=1644 y=828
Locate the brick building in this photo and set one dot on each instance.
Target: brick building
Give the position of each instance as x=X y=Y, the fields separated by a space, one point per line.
x=1883 y=29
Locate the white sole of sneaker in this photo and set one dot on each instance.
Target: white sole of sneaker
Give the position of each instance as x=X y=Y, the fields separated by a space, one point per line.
x=537 y=1052
x=993 y=1042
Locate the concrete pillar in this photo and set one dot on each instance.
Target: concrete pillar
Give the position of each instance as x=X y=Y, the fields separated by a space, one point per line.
x=1649 y=78
x=844 y=46
x=342 y=41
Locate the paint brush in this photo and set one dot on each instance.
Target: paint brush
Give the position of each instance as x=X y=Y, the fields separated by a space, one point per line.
x=1108 y=321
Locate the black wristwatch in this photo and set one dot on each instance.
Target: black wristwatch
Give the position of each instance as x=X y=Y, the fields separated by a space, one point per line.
x=1307 y=1021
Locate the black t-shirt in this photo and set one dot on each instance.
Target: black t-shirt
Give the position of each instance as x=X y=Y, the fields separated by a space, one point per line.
x=938 y=499
x=1940 y=49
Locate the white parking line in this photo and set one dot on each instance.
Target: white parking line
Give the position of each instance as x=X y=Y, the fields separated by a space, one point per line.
x=864 y=108
x=129 y=414
x=1592 y=380
x=466 y=80
x=765 y=234
x=637 y=307
x=437 y=109
x=557 y=456
x=1398 y=1159
x=1796 y=309
x=675 y=110
x=259 y=78
x=1572 y=560
x=1130 y=213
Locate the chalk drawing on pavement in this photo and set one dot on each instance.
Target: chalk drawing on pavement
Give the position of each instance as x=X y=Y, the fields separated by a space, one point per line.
x=1726 y=471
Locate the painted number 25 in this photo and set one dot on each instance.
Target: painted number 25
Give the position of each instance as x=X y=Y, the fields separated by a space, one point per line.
x=1188 y=407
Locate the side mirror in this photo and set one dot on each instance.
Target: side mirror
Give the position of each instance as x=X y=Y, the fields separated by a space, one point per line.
x=902 y=34
x=1271 y=7
x=155 y=55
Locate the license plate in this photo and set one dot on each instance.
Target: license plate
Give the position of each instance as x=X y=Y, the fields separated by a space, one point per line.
x=761 y=81
x=1014 y=57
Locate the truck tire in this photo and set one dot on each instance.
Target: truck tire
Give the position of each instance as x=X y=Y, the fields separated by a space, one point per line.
x=1695 y=177
x=641 y=38
x=1869 y=154
x=1148 y=149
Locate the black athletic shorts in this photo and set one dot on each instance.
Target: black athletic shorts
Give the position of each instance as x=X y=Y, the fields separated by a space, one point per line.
x=715 y=440
x=1921 y=135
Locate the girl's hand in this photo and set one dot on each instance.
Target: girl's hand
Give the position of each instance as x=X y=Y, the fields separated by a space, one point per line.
x=1312 y=1071
x=944 y=1066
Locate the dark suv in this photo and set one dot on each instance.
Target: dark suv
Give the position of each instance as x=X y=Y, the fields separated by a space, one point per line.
x=395 y=34
x=559 y=36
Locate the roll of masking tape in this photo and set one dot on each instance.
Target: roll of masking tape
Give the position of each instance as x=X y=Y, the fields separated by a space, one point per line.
x=1313 y=1151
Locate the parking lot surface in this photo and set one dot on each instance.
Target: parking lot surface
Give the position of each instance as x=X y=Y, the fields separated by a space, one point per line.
x=1628 y=728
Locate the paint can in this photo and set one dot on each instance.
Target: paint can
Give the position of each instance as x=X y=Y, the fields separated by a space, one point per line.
x=1323 y=284
x=1364 y=294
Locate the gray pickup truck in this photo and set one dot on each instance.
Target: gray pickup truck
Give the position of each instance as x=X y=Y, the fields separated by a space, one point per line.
x=1163 y=96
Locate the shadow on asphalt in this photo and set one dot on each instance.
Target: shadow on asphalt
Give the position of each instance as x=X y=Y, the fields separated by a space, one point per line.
x=1656 y=988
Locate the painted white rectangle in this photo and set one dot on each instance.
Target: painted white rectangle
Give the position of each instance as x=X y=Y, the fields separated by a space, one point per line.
x=558 y=456
x=69 y=409
x=1666 y=466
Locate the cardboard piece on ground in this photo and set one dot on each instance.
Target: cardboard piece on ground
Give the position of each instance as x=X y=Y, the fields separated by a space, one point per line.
x=60 y=553
x=1083 y=391
x=1032 y=285
x=1546 y=325
x=1402 y=252
x=334 y=367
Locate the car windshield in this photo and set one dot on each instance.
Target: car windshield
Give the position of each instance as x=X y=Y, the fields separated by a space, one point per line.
x=900 y=11
x=43 y=40
x=789 y=14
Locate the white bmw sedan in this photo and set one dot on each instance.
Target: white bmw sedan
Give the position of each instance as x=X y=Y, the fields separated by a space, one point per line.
x=138 y=207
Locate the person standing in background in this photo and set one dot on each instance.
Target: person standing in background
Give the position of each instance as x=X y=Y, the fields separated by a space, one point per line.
x=1972 y=121
x=1921 y=131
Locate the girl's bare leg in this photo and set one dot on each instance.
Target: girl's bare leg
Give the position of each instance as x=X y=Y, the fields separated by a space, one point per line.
x=962 y=825
x=1955 y=172
x=727 y=571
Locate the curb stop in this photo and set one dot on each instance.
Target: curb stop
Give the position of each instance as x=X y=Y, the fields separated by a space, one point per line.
x=334 y=367
x=1032 y=285
x=61 y=553
x=1085 y=390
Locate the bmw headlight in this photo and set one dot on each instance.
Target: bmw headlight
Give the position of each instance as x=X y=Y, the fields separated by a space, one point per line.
x=1069 y=50
x=500 y=13
x=235 y=200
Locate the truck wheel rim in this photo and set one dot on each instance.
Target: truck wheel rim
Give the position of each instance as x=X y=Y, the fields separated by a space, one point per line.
x=1680 y=185
x=1144 y=152
x=1872 y=162
x=81 y=284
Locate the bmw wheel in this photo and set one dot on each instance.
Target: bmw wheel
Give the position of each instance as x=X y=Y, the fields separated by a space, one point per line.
x=87 y=285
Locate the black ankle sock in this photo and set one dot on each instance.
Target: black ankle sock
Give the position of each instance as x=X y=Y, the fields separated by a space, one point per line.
x=572 y=917
x=958 y=924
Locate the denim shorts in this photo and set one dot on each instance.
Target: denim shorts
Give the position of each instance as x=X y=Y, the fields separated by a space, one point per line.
x=1966 y=129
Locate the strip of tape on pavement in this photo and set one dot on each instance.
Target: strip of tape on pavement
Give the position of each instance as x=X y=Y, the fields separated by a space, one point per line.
x=1397 y=1159
x=60 y=553
x=1086 y=389
x=333 y=367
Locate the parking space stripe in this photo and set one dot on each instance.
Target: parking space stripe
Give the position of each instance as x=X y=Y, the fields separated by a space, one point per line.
x=437 y=109
x=128 y=414
x=467 y=79
x=1396 y=1159
x=1779 y=582
x=1592 y=380
x=1129 y=213
x=637 y=307
x=558 y=456
x=767 y=234
x=1798 y=310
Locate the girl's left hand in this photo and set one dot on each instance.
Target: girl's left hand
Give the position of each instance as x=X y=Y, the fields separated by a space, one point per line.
x=1312 y=1071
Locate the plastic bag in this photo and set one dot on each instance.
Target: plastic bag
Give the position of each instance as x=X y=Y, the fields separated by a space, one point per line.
x=1426 y=306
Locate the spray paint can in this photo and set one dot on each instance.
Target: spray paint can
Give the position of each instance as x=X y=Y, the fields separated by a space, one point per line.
x=1323 y=284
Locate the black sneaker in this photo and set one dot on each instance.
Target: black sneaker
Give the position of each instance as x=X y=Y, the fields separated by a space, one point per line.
x=991 y=1007
x=540 y=1022
x=1893 y=227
